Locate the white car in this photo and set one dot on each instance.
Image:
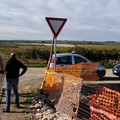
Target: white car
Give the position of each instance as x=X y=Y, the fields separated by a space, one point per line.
x=72 y=58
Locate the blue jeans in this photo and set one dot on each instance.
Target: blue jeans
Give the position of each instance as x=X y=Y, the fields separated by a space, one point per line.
x=12 y=84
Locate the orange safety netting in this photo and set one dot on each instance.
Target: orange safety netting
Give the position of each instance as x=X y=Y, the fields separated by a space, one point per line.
x=105 y=105
x=64 y=89
x=69 y=101
x=86 y=71
x=49 y=83
x=51 y=79
x=89 y=71
x=64 y=85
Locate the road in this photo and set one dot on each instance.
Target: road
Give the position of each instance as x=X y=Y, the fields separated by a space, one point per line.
x=32 y=74
x=109 y=73
x=36 y=73
x=32 y=77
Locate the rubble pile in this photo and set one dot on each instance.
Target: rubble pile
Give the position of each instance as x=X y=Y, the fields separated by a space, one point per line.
x=43 y=109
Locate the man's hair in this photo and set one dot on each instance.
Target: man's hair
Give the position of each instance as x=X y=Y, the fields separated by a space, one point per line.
x=12 y=55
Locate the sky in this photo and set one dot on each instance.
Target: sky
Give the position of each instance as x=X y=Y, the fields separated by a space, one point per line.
x=90 y=20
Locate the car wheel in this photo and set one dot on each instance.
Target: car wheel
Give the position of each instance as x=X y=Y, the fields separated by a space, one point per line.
x=100 y=74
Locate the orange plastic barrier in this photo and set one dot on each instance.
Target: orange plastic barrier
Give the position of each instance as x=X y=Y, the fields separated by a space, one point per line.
x=105 y=105
x=64 y=89
x=69 y=100
x=86 y=71
x=89 y=71
x=64 y=85
x=49 y=83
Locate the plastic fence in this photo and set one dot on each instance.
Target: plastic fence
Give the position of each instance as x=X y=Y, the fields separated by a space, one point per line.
x=105 y=105
x=69 y=100
x=86 y=71
x=64 y=89
x=64 y=85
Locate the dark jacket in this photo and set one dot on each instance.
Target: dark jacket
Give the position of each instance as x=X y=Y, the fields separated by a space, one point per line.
x=13 y=68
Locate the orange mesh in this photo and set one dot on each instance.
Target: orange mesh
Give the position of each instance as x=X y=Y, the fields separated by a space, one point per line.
x=98 y=116
x=64 y=85
x=105 y=103
x=74 y=70
x=86 y=71
x=49 y=82
x=89 y=71
x=64 y=89
x=69 y=101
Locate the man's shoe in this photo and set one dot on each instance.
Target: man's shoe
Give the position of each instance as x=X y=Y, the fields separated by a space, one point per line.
x=5 y=110
x=18 y=106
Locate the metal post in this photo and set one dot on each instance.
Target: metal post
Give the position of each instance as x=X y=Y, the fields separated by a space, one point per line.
x=55 y=39
x=51 y=52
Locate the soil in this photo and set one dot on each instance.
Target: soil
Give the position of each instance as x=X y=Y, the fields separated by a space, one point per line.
x=26 y=91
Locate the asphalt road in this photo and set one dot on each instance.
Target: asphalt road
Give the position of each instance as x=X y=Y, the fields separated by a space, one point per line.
x=36 y=73
x=32 y=74
x=32 y=77
x=109 y=73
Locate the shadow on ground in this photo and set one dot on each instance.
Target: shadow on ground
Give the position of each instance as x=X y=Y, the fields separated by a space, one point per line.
x=110 y=78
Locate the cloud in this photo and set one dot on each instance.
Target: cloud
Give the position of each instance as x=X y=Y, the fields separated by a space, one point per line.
x=87 y=19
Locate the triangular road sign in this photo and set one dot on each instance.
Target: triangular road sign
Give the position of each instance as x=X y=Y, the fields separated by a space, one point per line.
x=56 y=24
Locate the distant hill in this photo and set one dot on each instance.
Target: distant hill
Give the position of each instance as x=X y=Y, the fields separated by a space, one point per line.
x=73 y=42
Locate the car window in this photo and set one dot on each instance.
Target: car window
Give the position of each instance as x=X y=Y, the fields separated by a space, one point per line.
x=78 y=59
x=67 y=60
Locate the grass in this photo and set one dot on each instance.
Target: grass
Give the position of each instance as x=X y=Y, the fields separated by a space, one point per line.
x=108 y=65
x=28 y=99
x=36 y=65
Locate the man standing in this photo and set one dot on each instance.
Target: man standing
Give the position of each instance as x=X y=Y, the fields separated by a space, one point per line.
x=13 y=73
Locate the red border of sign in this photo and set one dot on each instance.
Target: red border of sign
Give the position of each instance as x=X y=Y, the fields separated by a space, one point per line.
x=56 y=19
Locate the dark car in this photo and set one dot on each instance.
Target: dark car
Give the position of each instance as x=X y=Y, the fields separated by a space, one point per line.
x=116 y=70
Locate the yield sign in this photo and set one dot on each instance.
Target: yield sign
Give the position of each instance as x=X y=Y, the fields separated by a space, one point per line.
x=56 y=24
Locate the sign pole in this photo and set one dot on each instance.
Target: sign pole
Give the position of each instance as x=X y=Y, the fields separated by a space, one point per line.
x=51 y=52
x=55 y=54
